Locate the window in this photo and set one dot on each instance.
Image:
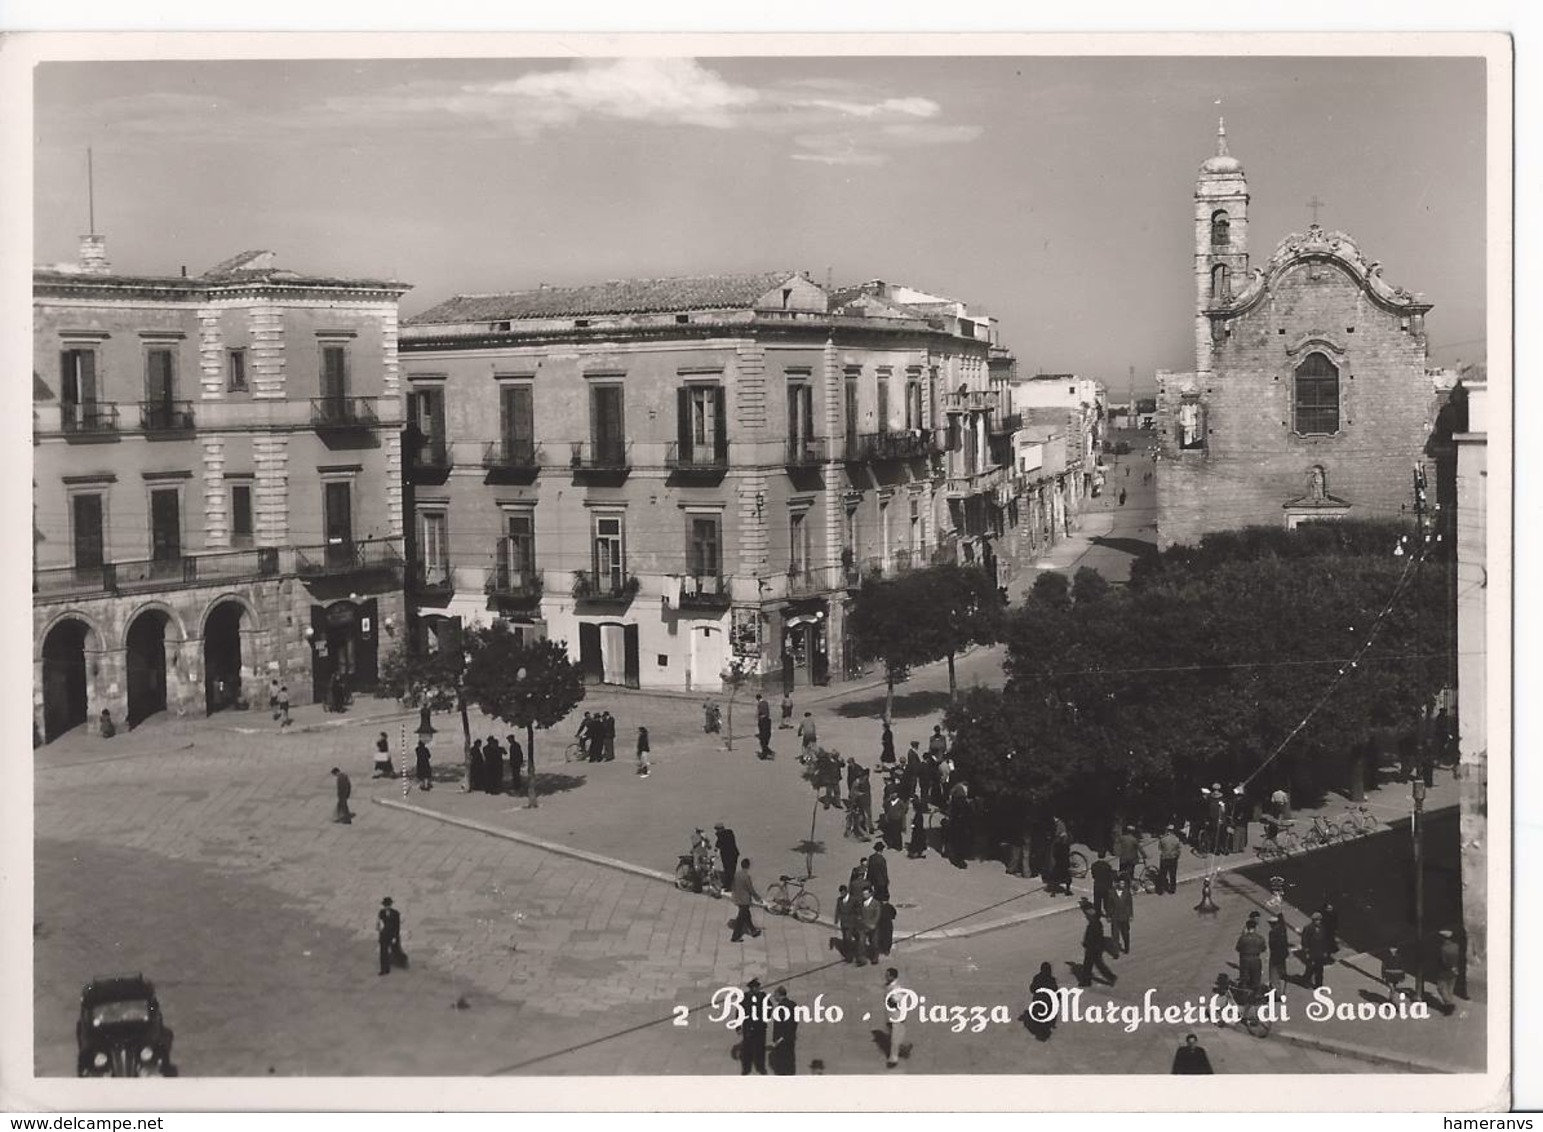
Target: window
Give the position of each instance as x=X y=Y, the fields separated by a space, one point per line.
x=160 y=376
x=610 y=569
x=916 y=525
x=517 y=422
x=241 y=514
x=87 y=530
x=426 y=417
x=77 y=389
x=932 y=391
x=607 y=424
x=800 y=410
x=849 y=532
x=851 y=413
x=521 y=553
x=1221 y=283
x=235 y=371
x=913 y=403
x=165 y=524
x=884 y=531
x=334 y=372
x=703 y=546
x=1221 y=229
x=799 y=550
x=433 y=547
x=883 y=394
x=337 y=515
x=1316 y=396
x=702 y=425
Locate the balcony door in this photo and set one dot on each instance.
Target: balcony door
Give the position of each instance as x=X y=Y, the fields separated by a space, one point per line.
x=77 y=387
x=338 y=522
x=165 y=531
x=607 y=425
x=703 y=551
x=426 y=417
x=87 y=532
x=334 y=380
x=609 y=571
x=517 y=424
x=160 y=387
x=434 y=548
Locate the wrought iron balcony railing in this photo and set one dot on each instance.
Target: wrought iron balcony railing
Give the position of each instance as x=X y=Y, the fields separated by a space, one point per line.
x=338 y=559
x=93 y=418
x=711 y=459
x=431 y=579
x=511 y=455
x=607 y=589
x=341 y=413
x=166 y=416
x=874 y=447
x=705 y=591
x=804 y=451
x=612 y=457
x=148 y=573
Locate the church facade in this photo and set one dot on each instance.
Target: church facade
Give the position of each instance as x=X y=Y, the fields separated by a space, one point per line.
x=1311 y=397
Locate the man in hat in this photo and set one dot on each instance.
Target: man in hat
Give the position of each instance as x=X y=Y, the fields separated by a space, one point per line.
x=752 y=1031
x=1127 y=850
x=763 y=723
x=1251 y=947
x=1280 y=951
x=1102 y=873
x=388 y=928
x=728 y=851
x=810 y=734
x=1168 y=850
x=878 y=872
x=342 y=813
x=784 y=1027
x=744 y=894
x=1315 y=951
x=1120 y=906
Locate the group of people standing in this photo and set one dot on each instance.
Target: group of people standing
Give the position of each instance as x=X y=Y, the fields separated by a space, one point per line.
x=597 y=736
x=864 y=915
x=485 y=765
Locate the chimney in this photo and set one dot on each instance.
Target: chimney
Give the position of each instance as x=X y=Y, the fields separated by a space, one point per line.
x=93 y=255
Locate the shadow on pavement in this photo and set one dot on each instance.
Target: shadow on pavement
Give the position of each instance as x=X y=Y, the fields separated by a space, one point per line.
x=551 y=782
x=907 y=706
x=1137 y=548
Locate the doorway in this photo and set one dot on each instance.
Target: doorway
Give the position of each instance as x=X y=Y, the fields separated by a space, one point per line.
x=608 y=653
x=344 y=637
x=64 y=678
x=222 y=657
x=707 y=657
x=146 y=657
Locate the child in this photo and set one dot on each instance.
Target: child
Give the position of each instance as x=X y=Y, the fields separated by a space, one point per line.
x=642 y=752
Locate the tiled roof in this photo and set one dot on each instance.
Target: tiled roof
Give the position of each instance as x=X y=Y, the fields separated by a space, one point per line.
x=617 y=296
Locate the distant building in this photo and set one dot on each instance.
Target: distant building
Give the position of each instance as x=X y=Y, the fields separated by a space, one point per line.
x=675 y=474
x=1311 y=398
x=216 y=486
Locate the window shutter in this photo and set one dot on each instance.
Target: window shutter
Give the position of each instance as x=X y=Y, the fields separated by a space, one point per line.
x=721 y=423
x=683 y=421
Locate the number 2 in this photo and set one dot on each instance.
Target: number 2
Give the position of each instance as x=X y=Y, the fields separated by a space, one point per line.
x=681 y=1013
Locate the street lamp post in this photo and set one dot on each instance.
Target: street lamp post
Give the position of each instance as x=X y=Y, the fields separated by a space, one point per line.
x=1419 y=887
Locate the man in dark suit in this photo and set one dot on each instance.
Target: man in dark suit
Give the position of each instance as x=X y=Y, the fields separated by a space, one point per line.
x=763 y=723
x=1102 y=873
x=1093 y=941
x=878 y=871
x=345 y=788
x=388 y=928
x=784 y=1027
x=728 y=851
x=1190 y=1058
x=752 y=1031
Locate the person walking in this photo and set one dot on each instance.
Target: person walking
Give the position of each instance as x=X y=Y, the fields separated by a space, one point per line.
x=918 y=844
x=1251 y=947
x=809 y=734
x=383 y=758
x=783 y=1055
x=1169 y=849
x=878 y=871
x=887 y=745
x=728 y=851
x=642 y=755
x=1449 y=959
x=273 y=697
x=845 y=918
x=1121 y=909
x=763 y=724
x=1315 y=951
x=344 y=788
x=1044 y=1003
x=742 y=888
x=425 y=771
x=885 y=943
x=1330 y=927
x=1190 y=1058
x=870 y=913
x=1102 y=873
x=1393 y=975
x=911 y=773
x=609 y=723
x=1093 y=943
x=388 y=929
x=283 y=712
x=787 y=712
x=1279 y=941
x=1060 y=878
x=752 y=1031
x=862 y=800
x=895 y=997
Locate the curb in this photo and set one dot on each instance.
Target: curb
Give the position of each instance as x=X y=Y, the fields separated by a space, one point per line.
x=1370 y=1053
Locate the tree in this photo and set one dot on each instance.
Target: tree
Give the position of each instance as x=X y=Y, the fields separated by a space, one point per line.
x=526 y=685
x=963 y=607
x=881 y=624
x=734 y=677
x=433 y=680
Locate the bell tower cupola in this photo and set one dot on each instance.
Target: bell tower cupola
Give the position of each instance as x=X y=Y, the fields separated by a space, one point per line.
x=1221 y=240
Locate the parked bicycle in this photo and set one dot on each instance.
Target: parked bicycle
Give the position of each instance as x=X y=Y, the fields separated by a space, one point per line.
x=1359 y=822
x=788 y=896
x=687 y=880
x=1248 y=1000
x=574 y=752
x=1079 y=864
x=1281 y=841
x=1323 y=832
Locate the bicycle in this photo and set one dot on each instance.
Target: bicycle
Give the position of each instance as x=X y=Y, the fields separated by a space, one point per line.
x=1359 y=822
x=802 y=905
x=1283 y=842
x=686 y=877
x=1248 y=1001
x=574 y=753
x=1323 y=832
x=1078 y=861
x=1145 y=876
x=855 y=828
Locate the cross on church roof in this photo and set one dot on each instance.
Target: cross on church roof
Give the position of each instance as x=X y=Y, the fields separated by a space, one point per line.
x=1315 y=204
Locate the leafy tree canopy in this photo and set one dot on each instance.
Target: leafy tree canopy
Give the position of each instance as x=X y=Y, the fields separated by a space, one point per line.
x=528 y=685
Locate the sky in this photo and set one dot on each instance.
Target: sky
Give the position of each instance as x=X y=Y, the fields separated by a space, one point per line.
x=1054 y=193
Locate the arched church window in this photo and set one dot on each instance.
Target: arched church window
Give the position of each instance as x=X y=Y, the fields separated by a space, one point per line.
x=1316 y=396
x=1221 y=282
x=1221 y=229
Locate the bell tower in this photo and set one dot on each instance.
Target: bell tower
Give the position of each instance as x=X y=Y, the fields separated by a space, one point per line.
x=1221 y=239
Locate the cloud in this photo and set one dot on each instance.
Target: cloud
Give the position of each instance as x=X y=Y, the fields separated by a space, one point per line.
x=679 y=91
x=836 y=149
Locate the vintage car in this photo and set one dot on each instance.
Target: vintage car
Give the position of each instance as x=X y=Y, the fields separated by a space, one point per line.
x=120 y=1032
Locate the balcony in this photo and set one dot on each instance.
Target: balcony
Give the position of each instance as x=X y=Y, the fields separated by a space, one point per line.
x=1006 y=425
x=607 y=589
x=972 y=401
x=804 y=451
x=166 y=418
x=697 y=461
x=609 y=460
x=346 y=558
x=511 y=460
x=879 y=447
x=342 y=414
x=92 y=421
x=705 y=591
x=974 y=483
x=428 y=460
x=73 y=581
x=513 y=584
x=431 y=579
x=210 y=568
x=808 y=582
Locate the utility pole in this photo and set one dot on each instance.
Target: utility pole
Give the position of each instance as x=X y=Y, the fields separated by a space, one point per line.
x=1419 y=889
x=1417 y=826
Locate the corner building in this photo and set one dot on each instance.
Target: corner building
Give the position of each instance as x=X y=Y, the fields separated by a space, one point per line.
x=675 y=474
x=216 y=487
x=1311 y=398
